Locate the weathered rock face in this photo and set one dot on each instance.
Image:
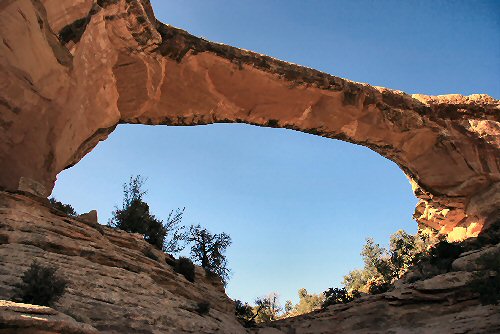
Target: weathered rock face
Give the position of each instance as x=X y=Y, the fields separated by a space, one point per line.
x=421 y=310
x=118 y=283
x=442 y=303
x=34 y=319
x=72 y=70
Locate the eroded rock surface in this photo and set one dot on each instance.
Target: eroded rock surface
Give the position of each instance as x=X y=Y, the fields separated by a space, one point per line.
x=382 y=314
x=72 y=70
x=33 y=319
x=443 y=303
x=118 y=283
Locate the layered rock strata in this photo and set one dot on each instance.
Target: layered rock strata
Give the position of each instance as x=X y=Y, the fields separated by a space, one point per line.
x=33 y=319
x=72 y=70
x=422 y=310
x=442 y=301
x=118 y=283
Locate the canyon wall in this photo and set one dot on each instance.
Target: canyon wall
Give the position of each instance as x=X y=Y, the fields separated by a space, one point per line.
x=118 y=283
x=73 y=69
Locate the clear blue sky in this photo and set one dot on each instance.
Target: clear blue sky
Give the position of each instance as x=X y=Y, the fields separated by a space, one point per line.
x=298 y=207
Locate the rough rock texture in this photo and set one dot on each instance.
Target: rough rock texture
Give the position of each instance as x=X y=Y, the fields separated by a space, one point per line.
x=118 y=283
x=425 y=312
x=33 y=319
x=440 y=304
x=72 y=70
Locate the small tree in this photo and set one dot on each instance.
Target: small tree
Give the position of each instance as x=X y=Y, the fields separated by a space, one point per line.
x=176 y=234
x=244 y=313
x=288 y=307
x=307 y=303
x=40 y=285
x=356 y=279
x=135 y=217
x=374 y=257
x=382 y=267
x=208 y=251
x=267 y=308
x=377 y=268
x=403 y=250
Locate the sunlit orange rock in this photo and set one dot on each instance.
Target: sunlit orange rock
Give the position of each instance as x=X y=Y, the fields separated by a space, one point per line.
x=72 y=70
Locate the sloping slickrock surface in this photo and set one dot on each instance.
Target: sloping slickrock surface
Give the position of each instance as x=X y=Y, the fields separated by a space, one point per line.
x=17 y=318
x=441 y=304
x=117 y=282
x=72 y=70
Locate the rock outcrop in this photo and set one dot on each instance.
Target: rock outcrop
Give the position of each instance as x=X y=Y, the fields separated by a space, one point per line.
x=72 y=70
x=118 y=283
x=437 y=312
x=34 y=319
x=433 y=299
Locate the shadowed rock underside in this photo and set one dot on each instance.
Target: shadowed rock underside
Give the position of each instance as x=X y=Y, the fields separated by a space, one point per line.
x=72 y=70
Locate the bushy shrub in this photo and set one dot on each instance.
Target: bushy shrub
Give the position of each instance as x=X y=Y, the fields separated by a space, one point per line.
x=65 y=208
x=376 y=289
x=40 y=285
x=203 y=308
x=444 y=253
x=185 y=267
x=244 y=313
x=338 y=296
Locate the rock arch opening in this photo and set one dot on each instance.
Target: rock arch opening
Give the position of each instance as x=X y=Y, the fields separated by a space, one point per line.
x=73 y=70
x=299 y=198
x=151 y=73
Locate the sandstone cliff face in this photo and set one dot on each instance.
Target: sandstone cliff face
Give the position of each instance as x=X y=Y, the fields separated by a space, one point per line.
x=436 y=312
x=117 y=282
x=72 y=70
x=34 y=319
x=442 y=303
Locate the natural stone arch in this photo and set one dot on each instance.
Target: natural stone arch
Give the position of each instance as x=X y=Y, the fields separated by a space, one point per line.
x=73 y=70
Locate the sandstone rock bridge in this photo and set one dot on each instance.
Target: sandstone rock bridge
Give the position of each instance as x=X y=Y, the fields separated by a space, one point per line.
x=72 y=70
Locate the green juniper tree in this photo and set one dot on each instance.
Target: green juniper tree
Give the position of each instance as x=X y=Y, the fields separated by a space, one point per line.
x=208 y=250
x=135 y=217
x=382 y=267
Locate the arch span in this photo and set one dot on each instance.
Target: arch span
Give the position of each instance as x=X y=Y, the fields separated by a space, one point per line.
x=73 y=70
